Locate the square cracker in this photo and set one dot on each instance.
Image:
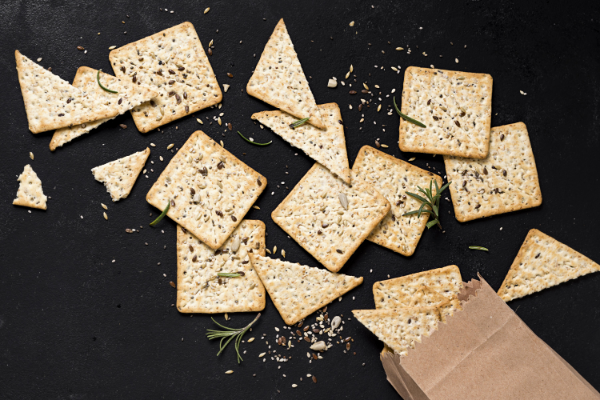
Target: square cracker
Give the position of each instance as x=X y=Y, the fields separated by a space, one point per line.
x=209 y=189
x=313 y=215
x=543 y=262
x=325 y=147
x=456 y=108
x=298 y=290
x=120 y=175
x=200 y=290
x=30 y=193
x=506 y=180
x=173 y=63
x=393 y=178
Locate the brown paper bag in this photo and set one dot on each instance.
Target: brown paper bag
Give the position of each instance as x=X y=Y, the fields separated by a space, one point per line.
x=486 y=352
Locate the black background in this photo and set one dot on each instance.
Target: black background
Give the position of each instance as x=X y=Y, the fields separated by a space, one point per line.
x=76 y=325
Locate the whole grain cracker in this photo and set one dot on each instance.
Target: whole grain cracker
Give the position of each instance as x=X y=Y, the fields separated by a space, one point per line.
x=30 y=193
x=120 y=175
x=209 y=189
x=173 y=63
x=506 y=180
x=314 y=216
x=543 y=262
x=325 y=147
x=279 y=80
x=201 y=290
x=129 y=95
x=298 y=290
x=393 y=178
x=456 y=108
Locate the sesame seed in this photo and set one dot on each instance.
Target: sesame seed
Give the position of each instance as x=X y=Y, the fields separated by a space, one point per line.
x=229 y=372
x=105 y=216
x=104 y=206
x=31 y=155
x=169 y=147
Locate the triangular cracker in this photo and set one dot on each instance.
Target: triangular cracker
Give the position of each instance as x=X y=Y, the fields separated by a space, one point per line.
x=543 y=262
x=129 y=95
x=298 y=290
x=30 y=192
x=325 y=147
x=279 y=80
x=120 y=175
x=201 y=290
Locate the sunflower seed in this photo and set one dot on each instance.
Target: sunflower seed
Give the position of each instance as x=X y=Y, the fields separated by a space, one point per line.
x=335 y=322
x=319 y=346
x=261 y=355
x=343 y=200
x=251 y=340
x=104 y=206
x=229 y=372
x=235 y=246
x=206 y=11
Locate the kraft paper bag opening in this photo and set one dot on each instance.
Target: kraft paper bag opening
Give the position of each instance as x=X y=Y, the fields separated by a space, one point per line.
x=487 y=352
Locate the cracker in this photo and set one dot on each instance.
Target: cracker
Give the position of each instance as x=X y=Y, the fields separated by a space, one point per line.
x=313 y=215
x=30 y=193
x=120 y=175
x=173 y=63
x=506 y=180
x=393 y=178
x=325 y=147
x=543 y=262
x=199 y=288
x=399 y=292
x=279 y=80
x=129 y=95
x=298 y=290
x=209 y=189
x=455 y=106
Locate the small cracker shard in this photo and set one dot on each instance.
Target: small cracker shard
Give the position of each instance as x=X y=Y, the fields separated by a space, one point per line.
x=328 y=148
x=200 y=290
x=279 y=80
x=312 y=214
x=456 y=108
x=30 y=192
x=120 y=175
x=129 y=95
x=543 y=262
x=173 y=63
x=506 y=180
x=209 y=189
x=393 y=178
x=298 y=290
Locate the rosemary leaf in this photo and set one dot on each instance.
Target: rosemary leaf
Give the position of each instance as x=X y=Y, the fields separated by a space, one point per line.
x=250 y=141
x=299 y=122
x=162 y=215
x=407 y=118
x=230 y=274
x=478 y=248
x=105 y=88
x=432 y=223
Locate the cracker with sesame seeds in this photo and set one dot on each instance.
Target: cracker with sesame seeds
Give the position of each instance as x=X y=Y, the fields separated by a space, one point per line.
x=279 y=80
x=201 y=290
x=543 y=262
x=506 y=180
x=328 y=218
x=173 y=63
x=209 y=189
x=299 y=290
x=120 y=175
x=393 y=178
x=456 y=108
x=129 y=95
x=325 y=147
x=30 y=193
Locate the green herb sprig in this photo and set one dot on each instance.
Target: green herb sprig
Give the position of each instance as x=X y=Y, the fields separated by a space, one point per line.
x=162 y=215
x=228 y=335
x=407 y=118
x=103 y=87
x=299 y=122
x=431 y=201
x=250 y=141
x=478 y=248
x=231 y=274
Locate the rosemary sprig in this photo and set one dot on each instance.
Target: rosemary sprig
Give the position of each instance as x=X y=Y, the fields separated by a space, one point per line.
x=478 y=248
x=228 y=335
x=162 y=215
x=431 y=201
x=299 y=122
x=231 y=274
x=407 y=118
x=105 y=88
x=250 y=141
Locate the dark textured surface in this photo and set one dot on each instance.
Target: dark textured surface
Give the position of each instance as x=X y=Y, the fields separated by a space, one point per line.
x=76 y=325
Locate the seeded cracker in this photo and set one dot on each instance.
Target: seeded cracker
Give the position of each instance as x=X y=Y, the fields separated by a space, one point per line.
x=173 y=63
x=279 y=80
x=130 y=95
x=30 y=192
x=506 y=180
x=325 y=147
x=543 y=262
x=313 y=215
x=120 y=175
x=298 y=290
x=200 y=290
x=455 y=106
x=209 y=189
x=393 y=178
